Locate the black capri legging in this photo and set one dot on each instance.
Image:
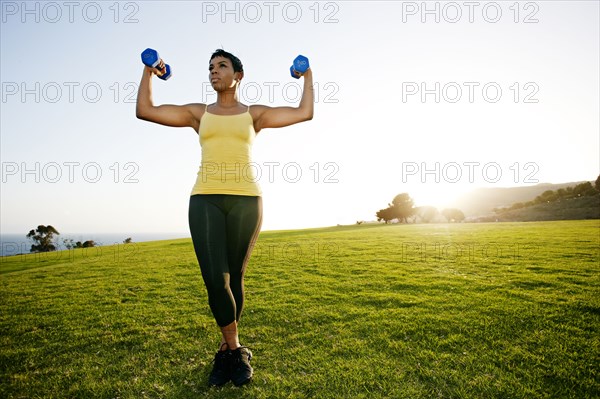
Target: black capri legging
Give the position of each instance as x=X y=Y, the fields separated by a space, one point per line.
x=224 y=230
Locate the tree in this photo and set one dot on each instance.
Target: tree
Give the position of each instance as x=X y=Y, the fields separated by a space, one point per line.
x=453 y=215
x=549 y=196
x=43 y=236
x=584 y=189
x=128 y=239
x=386 y=215
x=597 y=184
x=569 y=191
x=69 y=243
x=86 y=244
x=403 y=206
x=516 y=205
x=427 y=213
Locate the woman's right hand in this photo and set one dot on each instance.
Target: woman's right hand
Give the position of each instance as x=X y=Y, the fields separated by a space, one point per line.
x=159 y=70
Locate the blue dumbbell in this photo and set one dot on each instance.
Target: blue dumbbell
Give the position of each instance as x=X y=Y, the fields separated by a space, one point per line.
x=150 y=58
x=300 y=65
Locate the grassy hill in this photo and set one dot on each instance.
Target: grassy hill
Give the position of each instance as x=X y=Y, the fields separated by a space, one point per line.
x=482 y=201
x=489 y=310
x=566 y=209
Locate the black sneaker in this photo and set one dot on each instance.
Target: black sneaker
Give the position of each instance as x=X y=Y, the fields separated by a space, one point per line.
x=241 y=371
x=221 y=372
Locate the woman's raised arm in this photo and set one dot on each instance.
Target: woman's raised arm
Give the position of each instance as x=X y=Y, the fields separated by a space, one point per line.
x=271 y=117
x=167 y=114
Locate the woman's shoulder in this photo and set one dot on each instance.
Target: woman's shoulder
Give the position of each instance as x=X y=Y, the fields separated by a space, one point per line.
x=196 y=108
x=256 y=110
x=259 y=107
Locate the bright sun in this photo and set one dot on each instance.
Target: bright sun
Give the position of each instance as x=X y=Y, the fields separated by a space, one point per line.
x=440 y=195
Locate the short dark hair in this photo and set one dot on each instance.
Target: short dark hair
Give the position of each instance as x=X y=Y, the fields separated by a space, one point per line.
x=235 y=61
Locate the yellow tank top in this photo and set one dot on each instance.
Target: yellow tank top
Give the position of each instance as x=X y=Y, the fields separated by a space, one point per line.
x=226 y=166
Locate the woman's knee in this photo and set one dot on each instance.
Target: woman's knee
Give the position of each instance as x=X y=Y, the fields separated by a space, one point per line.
x=216 y=281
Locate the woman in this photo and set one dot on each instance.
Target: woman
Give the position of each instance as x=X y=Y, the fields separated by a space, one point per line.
x=225 y=210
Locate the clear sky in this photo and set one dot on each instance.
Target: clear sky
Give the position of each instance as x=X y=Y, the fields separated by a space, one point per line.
x=433 y=99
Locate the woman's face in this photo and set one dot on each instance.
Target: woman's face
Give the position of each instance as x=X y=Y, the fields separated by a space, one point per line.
x=221 y=75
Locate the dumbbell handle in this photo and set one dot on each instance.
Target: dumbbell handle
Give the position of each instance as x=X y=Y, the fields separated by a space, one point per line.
x=159 y=69
x=160 y=73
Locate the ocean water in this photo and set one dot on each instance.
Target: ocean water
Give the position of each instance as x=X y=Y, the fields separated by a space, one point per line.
x=13 y=244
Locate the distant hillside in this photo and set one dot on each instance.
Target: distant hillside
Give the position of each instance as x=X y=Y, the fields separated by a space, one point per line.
x=482 y=201
x=567 y=209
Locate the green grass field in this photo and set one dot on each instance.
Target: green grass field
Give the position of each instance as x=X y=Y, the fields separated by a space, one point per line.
x=498 y=310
